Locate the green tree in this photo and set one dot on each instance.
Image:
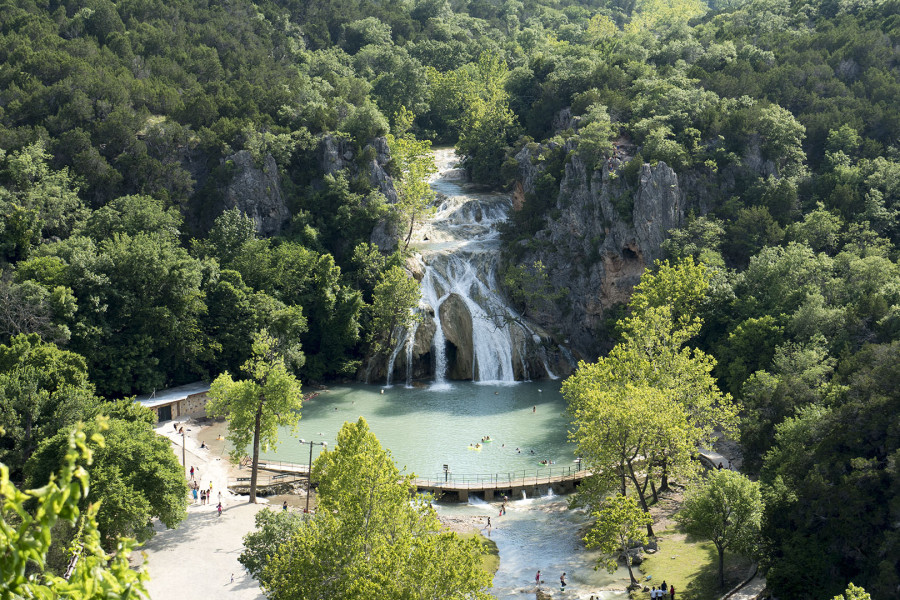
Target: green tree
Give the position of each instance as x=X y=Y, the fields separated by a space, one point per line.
x=134 y=474
x=42 y=390
x=725 y=508
x=412 y=164
x=651 y=374
x=27 y=520
x=394 y=298
x=618 y=526
x=625 y=431
x=36 y=202
x=368 y=539
x=487 y=124
x=854 y=592
x=596 y=135
x=256 y=407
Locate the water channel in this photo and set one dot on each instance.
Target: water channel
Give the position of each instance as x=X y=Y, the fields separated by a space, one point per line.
x=427 y=427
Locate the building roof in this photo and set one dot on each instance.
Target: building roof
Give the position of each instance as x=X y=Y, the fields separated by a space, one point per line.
x=172 y=395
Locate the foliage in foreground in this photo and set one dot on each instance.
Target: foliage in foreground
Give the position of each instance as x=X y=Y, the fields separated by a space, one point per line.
x=25 y=537
x=368 y=540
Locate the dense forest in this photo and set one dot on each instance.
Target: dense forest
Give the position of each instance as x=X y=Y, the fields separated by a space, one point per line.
x=177 y=176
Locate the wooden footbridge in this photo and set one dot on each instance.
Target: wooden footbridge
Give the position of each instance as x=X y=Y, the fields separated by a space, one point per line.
x=450 y=486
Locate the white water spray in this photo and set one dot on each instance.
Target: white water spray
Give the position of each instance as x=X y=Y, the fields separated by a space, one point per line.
x=460 y=249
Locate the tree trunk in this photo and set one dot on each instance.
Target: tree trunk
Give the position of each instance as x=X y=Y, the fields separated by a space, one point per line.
x=412 y=224
x=622 y=473
x=655 y=495
x=255 y=468
x=721 y=567
x=664 y=483
x=640 y=493
x=628 y=564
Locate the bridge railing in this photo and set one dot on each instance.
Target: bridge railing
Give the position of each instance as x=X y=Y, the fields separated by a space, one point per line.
x=498 y=480
x=502 y=480
x=277 y=465
x=264 y=480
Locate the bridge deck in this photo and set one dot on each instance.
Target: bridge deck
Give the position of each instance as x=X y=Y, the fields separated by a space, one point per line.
x=563 y=479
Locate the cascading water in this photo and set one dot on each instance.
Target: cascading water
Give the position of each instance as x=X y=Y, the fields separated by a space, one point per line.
x=459 y=248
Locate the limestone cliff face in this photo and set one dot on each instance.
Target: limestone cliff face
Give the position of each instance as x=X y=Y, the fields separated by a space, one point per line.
x=253 y=188
x=256 y=192
x=337 y=154
x=602 y=234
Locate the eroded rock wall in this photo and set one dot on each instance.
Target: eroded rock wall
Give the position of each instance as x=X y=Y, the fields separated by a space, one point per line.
x=596 y=243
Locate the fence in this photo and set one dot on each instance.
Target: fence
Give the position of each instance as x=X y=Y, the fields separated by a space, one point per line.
x=508 y=479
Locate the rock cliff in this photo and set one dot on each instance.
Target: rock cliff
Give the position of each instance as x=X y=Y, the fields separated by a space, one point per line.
x=337 y=154
x=604 y=230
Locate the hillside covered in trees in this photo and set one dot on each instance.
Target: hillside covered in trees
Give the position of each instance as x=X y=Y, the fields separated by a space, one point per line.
x=177 y=176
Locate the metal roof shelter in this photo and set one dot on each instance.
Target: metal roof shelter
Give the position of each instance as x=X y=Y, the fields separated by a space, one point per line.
x=189 y=399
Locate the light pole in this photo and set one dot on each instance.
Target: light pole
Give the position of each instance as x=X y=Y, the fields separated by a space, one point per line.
x=446 y=470
x=309 y=469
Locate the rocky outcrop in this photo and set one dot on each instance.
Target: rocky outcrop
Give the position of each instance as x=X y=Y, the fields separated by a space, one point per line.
x=602 y=234
x=256 y=191
x=337 y=154
x=239 y=182
x=456 y=323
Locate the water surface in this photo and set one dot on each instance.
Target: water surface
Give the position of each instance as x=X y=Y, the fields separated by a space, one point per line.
x=426 y=428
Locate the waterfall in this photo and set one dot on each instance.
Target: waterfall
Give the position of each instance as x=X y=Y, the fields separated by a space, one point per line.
x=459 y=248
x=393 y=358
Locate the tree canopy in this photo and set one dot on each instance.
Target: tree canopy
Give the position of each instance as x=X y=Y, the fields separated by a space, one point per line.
x=256 y=407
x=367 y=538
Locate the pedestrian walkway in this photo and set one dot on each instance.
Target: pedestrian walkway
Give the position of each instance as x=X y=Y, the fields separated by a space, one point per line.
x=751 y=591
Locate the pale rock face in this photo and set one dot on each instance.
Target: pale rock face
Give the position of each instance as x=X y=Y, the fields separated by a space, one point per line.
x=256 y=192
x=595 y=247
x=456 y=322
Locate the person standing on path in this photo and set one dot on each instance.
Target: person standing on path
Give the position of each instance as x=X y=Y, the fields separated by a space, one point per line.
x=284 y=506
x=192 y=472
x=219 y=508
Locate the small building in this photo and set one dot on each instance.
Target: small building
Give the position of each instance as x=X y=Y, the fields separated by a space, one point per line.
x=184 y=400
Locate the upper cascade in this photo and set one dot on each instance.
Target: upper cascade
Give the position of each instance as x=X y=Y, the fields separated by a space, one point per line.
x=468 y=330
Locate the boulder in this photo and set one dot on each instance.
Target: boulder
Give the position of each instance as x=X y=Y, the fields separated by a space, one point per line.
x=456 y=323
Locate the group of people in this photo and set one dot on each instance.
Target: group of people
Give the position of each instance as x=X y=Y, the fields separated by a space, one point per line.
x=659 y=593
x=662 y=591
x=562 y=581
x=204 y=495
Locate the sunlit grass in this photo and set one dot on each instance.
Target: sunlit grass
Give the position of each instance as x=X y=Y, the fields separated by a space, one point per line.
x=691 y=565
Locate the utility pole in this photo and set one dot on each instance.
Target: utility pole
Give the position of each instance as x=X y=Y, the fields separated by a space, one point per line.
x=309 y=469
